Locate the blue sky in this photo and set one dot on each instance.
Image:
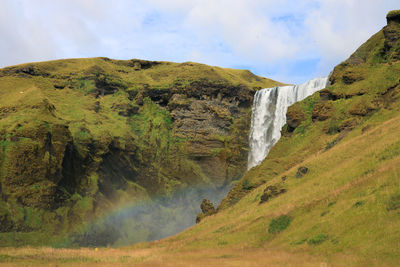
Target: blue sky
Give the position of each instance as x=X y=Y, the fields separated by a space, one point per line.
x=290 y=41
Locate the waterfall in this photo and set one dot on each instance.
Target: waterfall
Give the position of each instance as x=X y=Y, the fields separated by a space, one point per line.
x=269 y=115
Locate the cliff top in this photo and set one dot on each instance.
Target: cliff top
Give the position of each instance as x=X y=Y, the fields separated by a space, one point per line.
x=136 y=72
x=393 y=15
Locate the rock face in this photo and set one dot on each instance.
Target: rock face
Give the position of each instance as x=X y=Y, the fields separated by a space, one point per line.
x=206 y=112
x=322 y=111
x=294 y=117
x=81 y=137
x=272 y=191
x=301 y=172
x=393 y=16
x=207 y=209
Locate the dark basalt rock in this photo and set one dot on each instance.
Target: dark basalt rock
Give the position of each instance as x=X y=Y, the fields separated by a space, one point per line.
x=24 y=71
x=271 y=191
x=301 y=172
x=139 y=64
x=351 y=77
x=207 y=209
x=322 y=111
x=393 y=16
x=294 y=117
x=327 y=94
x=391 y=49
x=160 y=96
x=125 y=110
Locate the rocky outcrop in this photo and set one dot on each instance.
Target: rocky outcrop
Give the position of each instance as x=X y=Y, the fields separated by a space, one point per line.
x=207 y=209
x=272 y=191
x=322 y=111
x=301 y=171
x=393 y=16
x=294 y=117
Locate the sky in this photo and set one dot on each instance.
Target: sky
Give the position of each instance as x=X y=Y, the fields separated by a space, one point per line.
x=289 y=41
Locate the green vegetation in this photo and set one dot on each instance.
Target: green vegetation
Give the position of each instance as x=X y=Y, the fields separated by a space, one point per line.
x=347 y=208
x=247 y=185
x=318 y=239
x=81 y=137
x=279 y=224
x=393 y=203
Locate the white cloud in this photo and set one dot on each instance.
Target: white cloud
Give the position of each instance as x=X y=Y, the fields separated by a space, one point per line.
x=338 y=27
x=278 y=33
x=283 y=39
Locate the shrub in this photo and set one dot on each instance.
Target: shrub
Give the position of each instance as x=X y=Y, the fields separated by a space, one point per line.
x=300 y=130
x=359 y=203
x=333 y=127
x=329 y=145
x=324 y=213
x=393 y=203
x=247 y=185
x=279 y=224
x=331 y=203
x=318 y=239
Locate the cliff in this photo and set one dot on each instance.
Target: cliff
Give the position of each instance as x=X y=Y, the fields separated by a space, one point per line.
x=79 y=137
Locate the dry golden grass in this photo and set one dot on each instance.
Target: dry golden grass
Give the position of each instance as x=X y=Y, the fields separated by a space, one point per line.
x=154 y=257
x=366 y=234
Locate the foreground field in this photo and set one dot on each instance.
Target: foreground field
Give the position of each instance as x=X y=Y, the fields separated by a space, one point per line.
x=344 y=212
x=154 y=257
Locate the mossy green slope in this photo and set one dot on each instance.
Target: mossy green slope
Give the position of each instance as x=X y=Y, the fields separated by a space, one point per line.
x=340 y=171
x=79 y=137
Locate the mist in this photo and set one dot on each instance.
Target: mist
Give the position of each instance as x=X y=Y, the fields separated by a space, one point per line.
x=149 y=220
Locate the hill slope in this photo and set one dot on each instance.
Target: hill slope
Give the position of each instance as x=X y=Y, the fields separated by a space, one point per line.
x=327 y=194
x=81 y=137
x=331 y=186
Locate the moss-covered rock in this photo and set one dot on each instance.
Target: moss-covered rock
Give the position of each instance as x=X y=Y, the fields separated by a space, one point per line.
x=80 y=137
x=207 y=209
x=393 y=16
x=294 y=117
x=322 y=111
x=272 y=191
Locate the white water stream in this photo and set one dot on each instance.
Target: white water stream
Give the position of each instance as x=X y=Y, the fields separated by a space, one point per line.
x=269 y=115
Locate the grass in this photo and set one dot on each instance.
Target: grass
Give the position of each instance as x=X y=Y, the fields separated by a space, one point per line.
x=343 y=212
x=318 y=239
x=393 y=203
x=279 y=224
x=247 y=185
x=154 y=257
x=79 y=102
x=345 y=209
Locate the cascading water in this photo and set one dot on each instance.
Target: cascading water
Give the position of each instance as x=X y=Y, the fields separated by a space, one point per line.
x=269 y=115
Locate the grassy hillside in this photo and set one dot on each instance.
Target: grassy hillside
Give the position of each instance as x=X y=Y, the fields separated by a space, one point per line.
x=82 y=137
x=331 y=187
x=344 y=211
x=328 y=194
